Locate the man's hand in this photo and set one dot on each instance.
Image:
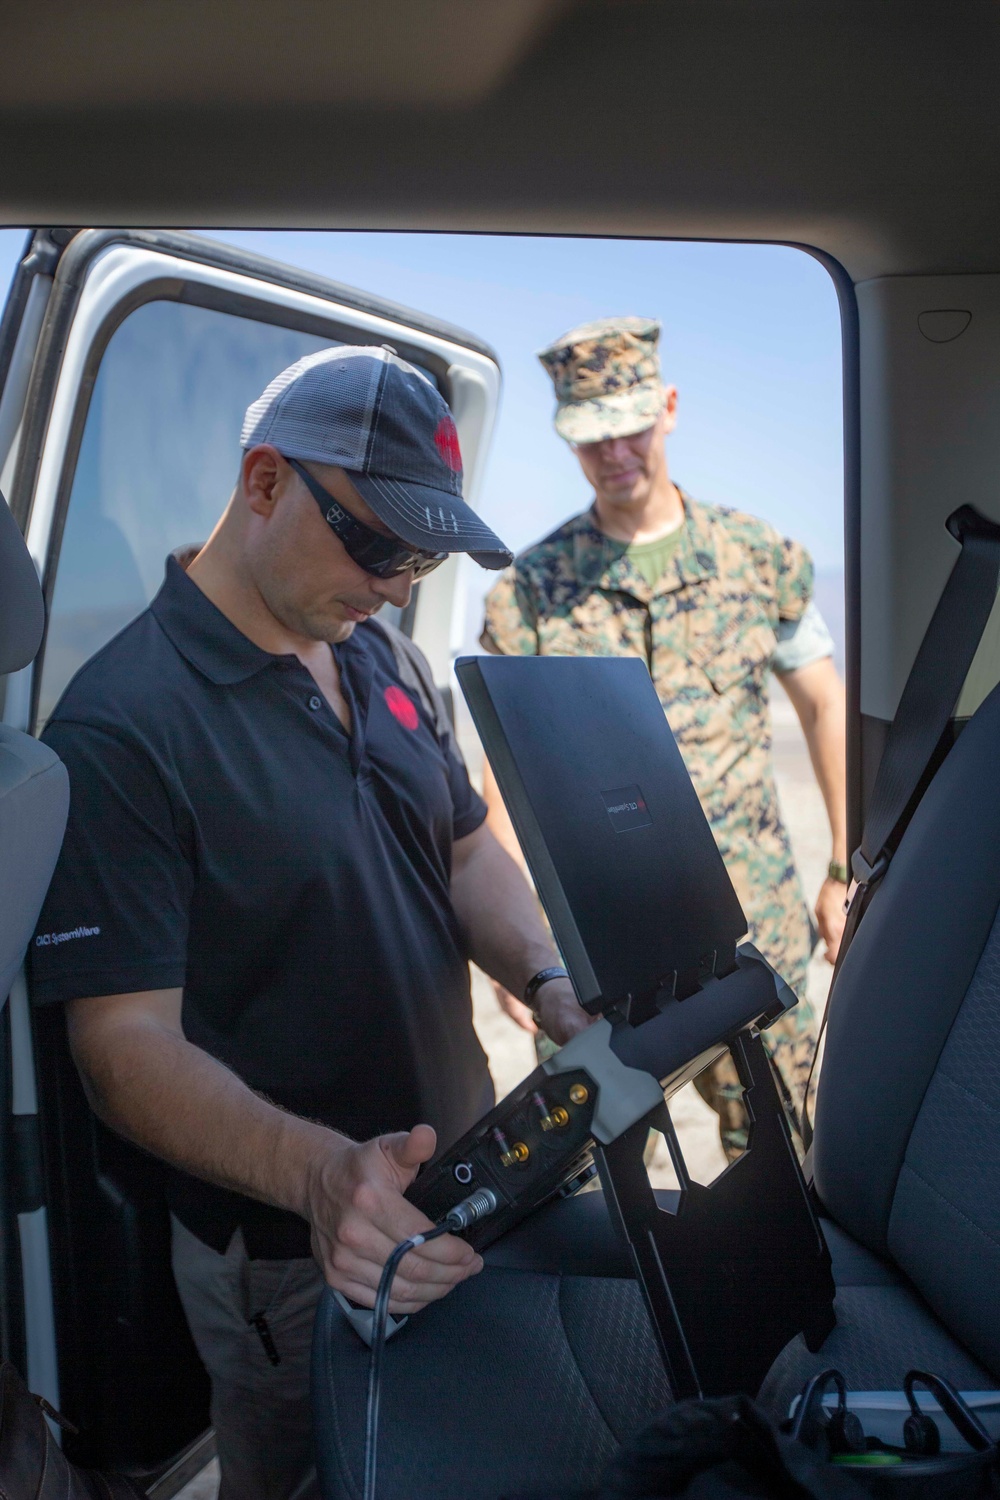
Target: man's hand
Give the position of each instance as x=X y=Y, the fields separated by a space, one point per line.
x=147 y=1081
x=358 y=1215
x=561 y=1010
x=561 y=1013
x=830 y=916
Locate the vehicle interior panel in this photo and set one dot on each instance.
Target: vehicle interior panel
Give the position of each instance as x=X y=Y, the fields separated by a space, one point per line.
x=869 y=131
x=929 y=414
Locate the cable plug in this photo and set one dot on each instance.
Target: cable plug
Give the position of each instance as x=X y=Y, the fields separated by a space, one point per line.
x=477 y=1206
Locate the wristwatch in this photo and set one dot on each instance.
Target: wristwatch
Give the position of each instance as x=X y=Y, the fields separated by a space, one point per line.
x=837 y=870
x=535 y=983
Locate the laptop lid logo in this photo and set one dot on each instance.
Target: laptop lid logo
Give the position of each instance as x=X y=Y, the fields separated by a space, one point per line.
x=626 y=807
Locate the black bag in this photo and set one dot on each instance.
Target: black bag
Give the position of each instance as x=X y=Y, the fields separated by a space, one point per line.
x=729 y=1449
x=32 y=1465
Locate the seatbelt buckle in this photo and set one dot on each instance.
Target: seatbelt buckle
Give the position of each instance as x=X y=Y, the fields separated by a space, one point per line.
x=864 y=873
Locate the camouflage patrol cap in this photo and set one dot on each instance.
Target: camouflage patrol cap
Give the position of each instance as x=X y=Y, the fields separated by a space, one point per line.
x=607 y=378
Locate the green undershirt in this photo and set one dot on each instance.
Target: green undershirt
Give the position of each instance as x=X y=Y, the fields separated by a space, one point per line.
x=653 y=558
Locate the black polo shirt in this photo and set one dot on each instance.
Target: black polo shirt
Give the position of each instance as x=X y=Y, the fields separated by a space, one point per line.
x=226 y=834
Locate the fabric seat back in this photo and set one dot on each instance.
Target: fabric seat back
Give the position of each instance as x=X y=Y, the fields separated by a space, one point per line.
x=34 y=801
x=34 y=789
x=907 y=1149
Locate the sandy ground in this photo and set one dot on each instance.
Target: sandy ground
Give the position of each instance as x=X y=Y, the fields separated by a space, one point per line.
x=511 y=1051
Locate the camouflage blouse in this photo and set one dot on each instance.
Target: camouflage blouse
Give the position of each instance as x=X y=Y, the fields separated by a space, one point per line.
x=707 y=633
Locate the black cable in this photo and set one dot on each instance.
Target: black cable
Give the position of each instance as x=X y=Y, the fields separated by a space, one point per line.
x=379 y=1319
x=462 y=1216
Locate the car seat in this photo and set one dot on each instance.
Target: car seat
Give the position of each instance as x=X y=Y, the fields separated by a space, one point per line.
x=528 y=1375
x=34 y=787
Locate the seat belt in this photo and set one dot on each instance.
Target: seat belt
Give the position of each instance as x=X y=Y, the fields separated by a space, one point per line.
x=928 y=700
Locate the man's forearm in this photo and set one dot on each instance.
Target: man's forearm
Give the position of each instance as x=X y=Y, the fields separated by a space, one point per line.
x=149 y=1083
x=827 y=752
x=817 y=694
x=504 y=931
x=818 y=697
x=499 y=914
x=165 y=1094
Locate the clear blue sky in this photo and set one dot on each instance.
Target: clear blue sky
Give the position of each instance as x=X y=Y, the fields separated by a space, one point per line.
x=751 y=336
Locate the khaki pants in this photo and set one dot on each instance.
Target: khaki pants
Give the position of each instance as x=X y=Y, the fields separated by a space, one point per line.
x=260 y=1410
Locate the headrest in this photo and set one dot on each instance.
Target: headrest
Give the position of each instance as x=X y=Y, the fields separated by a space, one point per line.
x=22 y=611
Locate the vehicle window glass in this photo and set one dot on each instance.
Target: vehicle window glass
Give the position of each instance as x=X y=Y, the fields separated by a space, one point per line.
x=157 y=463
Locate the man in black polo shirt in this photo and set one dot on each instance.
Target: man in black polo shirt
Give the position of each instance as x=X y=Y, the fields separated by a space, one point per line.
x=274 y=877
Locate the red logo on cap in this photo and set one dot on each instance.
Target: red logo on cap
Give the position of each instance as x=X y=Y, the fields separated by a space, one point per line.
x=402 y=708
x=446 y=443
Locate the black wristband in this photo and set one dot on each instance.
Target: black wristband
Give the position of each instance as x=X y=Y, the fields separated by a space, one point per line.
x=536 y=981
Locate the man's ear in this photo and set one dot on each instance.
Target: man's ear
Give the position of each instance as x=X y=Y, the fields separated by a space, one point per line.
x=261 y=473
x=669 y=413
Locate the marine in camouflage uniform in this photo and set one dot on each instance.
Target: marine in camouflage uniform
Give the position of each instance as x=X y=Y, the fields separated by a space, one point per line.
x=709 y=632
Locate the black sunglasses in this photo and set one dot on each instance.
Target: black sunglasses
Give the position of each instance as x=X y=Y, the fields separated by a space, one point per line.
x=382 y=556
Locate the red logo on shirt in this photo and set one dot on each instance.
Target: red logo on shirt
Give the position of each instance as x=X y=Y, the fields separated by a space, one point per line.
x=446 y=443
x=402 y=708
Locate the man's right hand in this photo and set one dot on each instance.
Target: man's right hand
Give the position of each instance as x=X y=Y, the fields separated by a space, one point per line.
x=358 y=1214
x=131 y=1049
x=561 y=1013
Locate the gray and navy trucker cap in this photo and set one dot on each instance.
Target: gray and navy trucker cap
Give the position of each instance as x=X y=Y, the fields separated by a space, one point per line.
x=369 y=412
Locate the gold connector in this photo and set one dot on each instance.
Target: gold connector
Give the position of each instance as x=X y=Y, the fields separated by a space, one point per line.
x=559 y=1116
x=517 y=1154
x=579 y=1094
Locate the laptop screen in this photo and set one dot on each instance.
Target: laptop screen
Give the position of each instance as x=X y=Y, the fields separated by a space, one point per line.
x=620 y=850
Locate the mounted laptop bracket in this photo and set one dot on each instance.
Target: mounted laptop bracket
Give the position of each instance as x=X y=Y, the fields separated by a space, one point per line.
x=647 y=919
x=704 y=1270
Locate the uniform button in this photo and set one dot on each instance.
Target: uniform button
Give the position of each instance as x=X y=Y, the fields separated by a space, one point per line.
x=315 y=702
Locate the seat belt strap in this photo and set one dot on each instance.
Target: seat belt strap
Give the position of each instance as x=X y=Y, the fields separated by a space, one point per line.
x=927 y=702
x=932 y=688
x=929 y=697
